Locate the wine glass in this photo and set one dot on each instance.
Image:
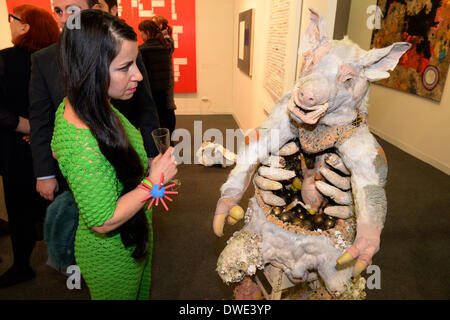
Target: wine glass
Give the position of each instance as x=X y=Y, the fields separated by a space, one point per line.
x=161 y=136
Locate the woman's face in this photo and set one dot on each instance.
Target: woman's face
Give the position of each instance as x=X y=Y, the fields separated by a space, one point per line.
x=124 y=73
x=17 y=27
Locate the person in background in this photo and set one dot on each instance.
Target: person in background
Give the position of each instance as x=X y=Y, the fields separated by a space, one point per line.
x=46 y=94
x=166 y=30
x=102 y=157
x=32 y=29
x=109 y=6
x=155 y=53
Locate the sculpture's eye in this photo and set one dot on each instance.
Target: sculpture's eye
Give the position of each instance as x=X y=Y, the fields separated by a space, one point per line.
x=348 y=82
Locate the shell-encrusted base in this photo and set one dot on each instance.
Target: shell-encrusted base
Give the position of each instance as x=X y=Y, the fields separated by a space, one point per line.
x=240 y=257
x=354 y=290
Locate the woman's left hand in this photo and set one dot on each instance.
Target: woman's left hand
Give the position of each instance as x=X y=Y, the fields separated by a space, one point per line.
x=163 y=164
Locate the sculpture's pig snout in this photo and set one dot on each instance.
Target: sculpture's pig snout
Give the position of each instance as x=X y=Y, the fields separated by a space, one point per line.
x=312 y=92
x=309 y=100
x=306 y=97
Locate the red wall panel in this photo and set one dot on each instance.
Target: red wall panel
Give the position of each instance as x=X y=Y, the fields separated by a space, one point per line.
x=181 y=15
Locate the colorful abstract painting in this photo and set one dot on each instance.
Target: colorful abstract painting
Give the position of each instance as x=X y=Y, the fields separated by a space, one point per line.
x=181 y=15
x=425 y=24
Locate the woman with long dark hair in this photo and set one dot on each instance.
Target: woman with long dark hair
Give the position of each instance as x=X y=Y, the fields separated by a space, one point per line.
x=156 y=55
x=32 y=29
x=102 y=157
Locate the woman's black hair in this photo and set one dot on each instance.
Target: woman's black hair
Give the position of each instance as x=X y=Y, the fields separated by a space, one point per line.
x=85 y=55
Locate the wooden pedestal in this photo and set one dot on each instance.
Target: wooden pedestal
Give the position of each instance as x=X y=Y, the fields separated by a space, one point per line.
x=277 y=280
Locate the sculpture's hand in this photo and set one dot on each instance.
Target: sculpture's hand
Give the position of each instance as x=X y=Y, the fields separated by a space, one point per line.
x=368 y=167
x=230 y=198
x=366 y=244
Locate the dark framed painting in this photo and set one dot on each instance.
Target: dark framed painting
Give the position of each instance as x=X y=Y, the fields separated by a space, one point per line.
x=423 y=69
x=245 y=41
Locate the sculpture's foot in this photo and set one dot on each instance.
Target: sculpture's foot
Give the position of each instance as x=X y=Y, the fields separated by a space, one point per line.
x=247 y=290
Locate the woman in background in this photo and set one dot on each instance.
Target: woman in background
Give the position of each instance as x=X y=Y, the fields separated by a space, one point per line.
x=102 y=157
x=157 y=59
x=166 y=30
x=32 y=29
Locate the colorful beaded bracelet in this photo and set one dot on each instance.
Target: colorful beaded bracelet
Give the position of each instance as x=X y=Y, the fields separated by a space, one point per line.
x=157 y=191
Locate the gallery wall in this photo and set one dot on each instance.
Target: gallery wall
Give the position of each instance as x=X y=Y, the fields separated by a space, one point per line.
x=249 y=97
x=414 y=124
x=251 y=101
x=214 y=37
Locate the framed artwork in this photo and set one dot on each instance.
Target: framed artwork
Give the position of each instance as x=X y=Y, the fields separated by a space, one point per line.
x=245 y=41
x=181 y=16
x=275 y=71
x=423 y=69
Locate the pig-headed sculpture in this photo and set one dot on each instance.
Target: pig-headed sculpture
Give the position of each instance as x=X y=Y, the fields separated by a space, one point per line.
x=328 y=109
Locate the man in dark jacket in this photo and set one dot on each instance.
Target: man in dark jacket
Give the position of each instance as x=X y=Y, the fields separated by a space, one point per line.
x=46 y=94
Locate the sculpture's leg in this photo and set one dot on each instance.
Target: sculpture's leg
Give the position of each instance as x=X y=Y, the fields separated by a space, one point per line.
x=276 y=291
x=247 y=290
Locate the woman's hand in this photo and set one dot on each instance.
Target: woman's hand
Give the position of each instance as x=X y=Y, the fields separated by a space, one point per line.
x=163 y=164
x=23 y=126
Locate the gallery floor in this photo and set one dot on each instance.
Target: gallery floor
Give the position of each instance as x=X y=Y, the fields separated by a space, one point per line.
x=414 y=258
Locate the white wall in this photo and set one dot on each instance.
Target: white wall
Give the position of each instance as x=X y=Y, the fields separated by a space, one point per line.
x=5 y=35
x=414 y=124
x=250 y=99
x=214 y=36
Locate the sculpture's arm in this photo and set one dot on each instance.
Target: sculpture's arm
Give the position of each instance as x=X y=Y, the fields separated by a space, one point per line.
x=273 y=133
x=364 y=157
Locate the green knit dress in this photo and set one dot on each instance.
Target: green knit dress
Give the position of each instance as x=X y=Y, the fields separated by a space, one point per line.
x=105 y=264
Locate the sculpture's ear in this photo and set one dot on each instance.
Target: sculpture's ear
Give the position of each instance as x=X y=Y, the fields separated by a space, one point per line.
x=377 y=62
x=314 y=35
